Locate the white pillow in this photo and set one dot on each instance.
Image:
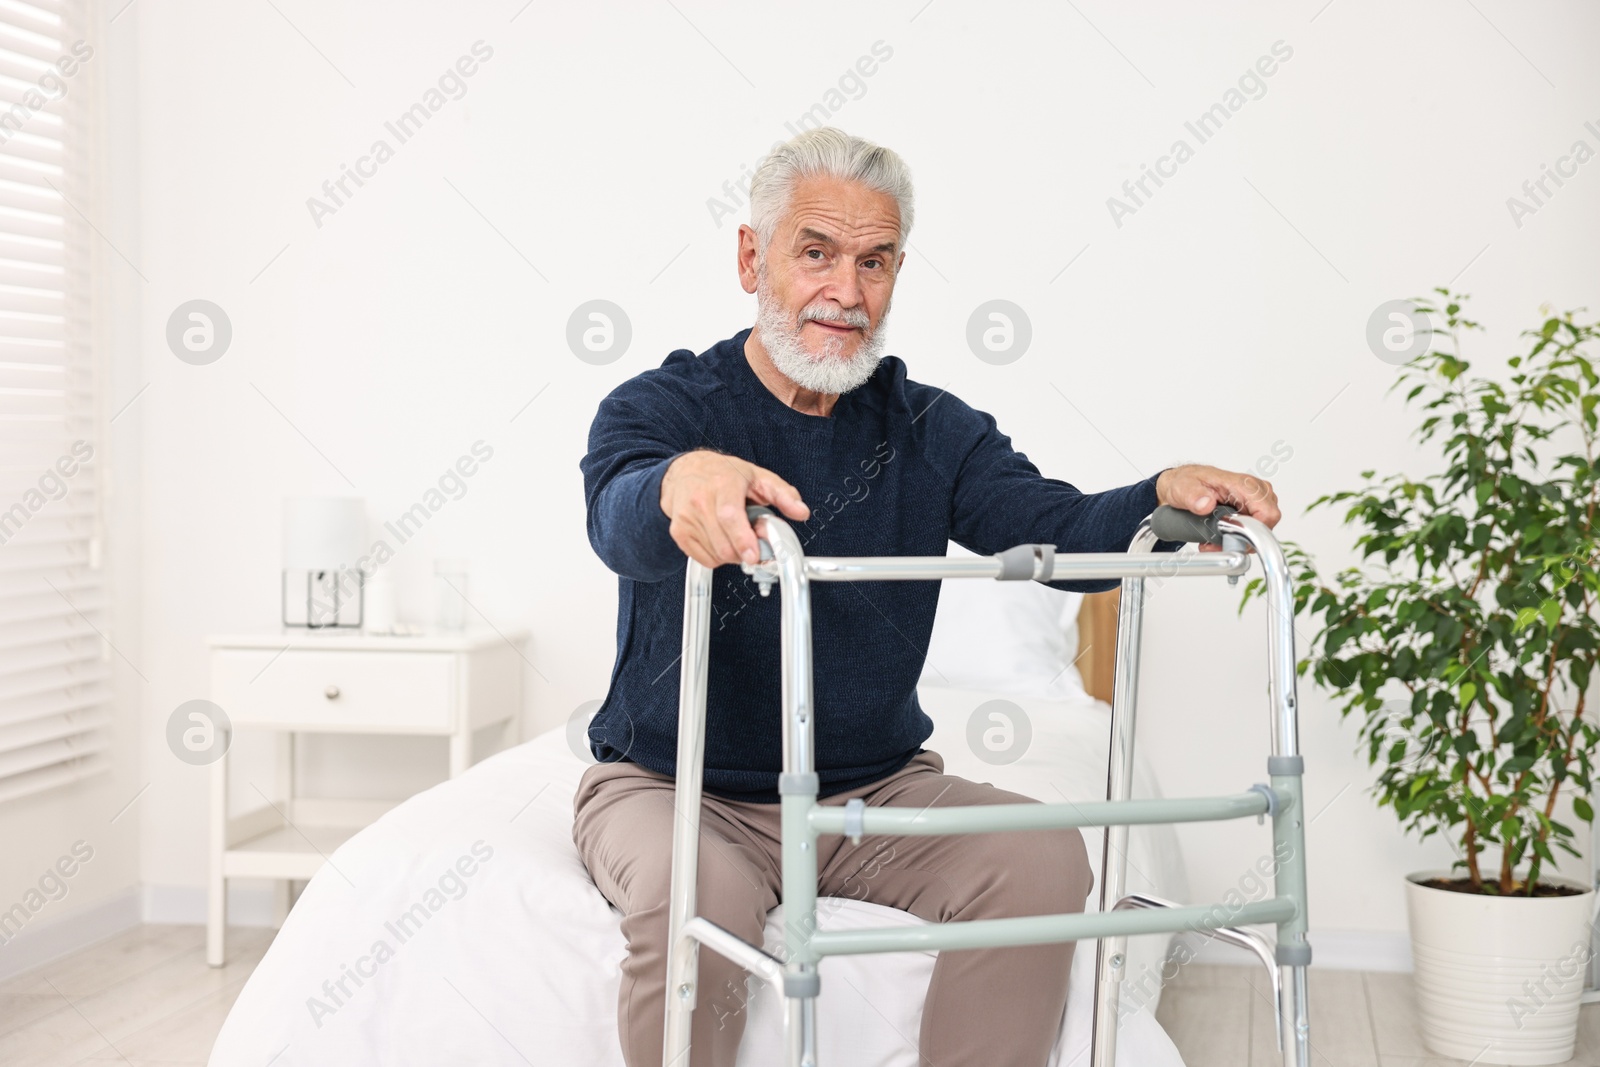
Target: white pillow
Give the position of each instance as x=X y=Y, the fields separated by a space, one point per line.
x=1015 y=639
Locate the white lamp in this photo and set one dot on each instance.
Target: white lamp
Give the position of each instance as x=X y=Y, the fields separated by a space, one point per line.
x=323 y=537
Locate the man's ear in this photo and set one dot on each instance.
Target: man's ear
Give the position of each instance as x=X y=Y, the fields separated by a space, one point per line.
x=746 y=258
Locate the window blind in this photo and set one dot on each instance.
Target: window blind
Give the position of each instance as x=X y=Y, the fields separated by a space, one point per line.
x=54 y=662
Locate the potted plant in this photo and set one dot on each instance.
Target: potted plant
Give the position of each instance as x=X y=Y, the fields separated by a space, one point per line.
x=1465 y=640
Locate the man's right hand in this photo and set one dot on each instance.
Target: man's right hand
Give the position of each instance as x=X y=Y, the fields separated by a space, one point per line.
x=704 y=494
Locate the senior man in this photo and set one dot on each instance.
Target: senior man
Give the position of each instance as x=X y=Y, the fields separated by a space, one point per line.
x=805 y=414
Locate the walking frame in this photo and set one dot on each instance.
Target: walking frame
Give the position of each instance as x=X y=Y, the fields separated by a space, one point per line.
x=804 y=820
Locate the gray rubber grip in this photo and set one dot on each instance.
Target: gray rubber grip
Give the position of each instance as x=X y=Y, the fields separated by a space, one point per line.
x=752 y=512
x=1174 y=524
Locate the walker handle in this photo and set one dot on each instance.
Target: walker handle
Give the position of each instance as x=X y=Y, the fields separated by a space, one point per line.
x=753 y=512
x=1174 y=524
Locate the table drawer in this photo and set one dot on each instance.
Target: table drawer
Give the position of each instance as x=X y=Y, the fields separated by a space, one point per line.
x=311 y=689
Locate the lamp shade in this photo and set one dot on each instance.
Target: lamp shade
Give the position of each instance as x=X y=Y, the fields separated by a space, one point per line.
x=323 y=532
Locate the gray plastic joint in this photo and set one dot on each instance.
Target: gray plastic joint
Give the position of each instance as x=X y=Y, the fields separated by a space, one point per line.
x=1286 y=765
x=1020 y=563
x=1293 y=955
x=854 y=821
x=764 y=576
x=1232 y=542
x=802 y=985
x=802 y=784
x=1272 y=800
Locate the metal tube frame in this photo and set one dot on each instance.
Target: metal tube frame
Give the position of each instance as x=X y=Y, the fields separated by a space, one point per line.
x=803 y=820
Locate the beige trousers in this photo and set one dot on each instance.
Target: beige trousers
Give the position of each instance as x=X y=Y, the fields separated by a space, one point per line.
x=998 y=1007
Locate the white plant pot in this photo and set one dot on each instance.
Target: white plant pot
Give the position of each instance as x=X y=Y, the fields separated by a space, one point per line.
x=1498 y=978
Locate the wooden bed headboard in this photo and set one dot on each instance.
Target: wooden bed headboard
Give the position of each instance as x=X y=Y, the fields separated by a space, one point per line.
x=1097 y=642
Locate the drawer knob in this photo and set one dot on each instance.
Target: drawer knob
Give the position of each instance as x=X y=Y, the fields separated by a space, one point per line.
x=332 y=692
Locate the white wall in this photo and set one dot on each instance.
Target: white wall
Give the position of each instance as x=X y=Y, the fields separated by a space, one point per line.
x=1224 y=318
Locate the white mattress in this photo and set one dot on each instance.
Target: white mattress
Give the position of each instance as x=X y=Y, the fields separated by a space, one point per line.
x=514 y=958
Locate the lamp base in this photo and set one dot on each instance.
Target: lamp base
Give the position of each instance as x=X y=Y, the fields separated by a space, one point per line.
x=323 y=599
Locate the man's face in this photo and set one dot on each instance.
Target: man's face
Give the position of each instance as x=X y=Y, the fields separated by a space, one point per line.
x=830 y=267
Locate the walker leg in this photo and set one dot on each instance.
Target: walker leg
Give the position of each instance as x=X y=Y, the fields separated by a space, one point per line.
x=1111 y=952
x=1292 y=951
x=801 y=984
x=797 y=794
x=1286 y=768
x=683 y=952
x=1294 y=1023
x=1242 y=936
x=800 y=1031
x=683 y=971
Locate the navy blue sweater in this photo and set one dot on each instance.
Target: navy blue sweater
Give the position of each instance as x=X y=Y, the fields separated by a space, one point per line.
x=898 y=469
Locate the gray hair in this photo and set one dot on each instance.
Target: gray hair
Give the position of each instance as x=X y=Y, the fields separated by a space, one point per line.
x=824 y=152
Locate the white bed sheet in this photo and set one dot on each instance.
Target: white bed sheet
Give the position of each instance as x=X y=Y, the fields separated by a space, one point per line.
x=513 y=955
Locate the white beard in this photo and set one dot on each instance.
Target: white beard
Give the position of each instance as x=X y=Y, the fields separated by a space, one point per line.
x=822 y=372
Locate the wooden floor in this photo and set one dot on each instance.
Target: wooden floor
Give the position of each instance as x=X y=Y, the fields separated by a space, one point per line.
x=146 y=998
x=1221 y=1016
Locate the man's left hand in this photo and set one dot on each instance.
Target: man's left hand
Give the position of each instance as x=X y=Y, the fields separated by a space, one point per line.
x=1199 y=488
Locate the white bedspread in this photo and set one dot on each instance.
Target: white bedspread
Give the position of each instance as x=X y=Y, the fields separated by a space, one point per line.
x=511 y=955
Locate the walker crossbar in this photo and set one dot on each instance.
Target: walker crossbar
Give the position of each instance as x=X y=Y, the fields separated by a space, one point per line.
x=1043 y=929
x=804 y=820
x=1063 y=568
x=979 y=818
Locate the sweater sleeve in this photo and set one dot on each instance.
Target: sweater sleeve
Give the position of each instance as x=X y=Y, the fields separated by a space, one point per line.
x=1002 y=500
x=630 y=448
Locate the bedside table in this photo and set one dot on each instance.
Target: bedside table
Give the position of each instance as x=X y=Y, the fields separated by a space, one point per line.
x=440 y=685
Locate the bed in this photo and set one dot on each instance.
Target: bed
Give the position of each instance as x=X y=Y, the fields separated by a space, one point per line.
x=462 y=928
